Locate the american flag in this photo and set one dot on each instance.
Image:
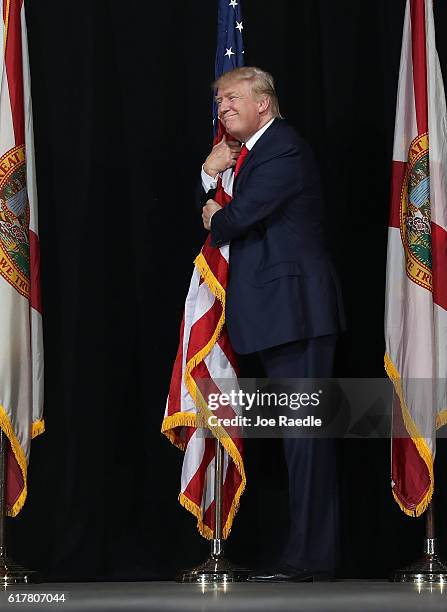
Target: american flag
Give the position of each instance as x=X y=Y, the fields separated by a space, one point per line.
x=205 y=358
x=230 y=45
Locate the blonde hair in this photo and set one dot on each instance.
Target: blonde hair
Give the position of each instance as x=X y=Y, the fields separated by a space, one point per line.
x=262 y=84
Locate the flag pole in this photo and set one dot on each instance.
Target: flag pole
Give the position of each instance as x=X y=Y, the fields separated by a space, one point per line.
x=10 y=572
x=216 y=569
x=429 y=569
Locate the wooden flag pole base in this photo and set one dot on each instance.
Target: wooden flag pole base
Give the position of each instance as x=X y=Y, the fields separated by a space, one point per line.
x=216 y=569
x=10 y=572
x=429 y=569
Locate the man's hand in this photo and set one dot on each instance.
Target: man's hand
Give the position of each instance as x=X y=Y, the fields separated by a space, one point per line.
x=223 y=155
x=208 y=210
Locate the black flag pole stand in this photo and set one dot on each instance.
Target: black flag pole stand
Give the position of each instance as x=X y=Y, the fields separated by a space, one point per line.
x=10 y=572
x=216 y=569
x=429 y=569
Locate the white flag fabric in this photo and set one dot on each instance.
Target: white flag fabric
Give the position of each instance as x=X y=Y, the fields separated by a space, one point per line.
x=206 y=363
x=416 y=287
x=204 y=366
x=21 y=346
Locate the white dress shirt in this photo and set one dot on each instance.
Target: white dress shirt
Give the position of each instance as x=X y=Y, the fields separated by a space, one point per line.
x=210 y=182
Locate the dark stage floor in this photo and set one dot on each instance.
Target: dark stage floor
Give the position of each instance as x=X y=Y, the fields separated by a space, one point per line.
x=358 y=595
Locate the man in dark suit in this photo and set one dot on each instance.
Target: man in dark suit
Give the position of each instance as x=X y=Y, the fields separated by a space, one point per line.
x=283 y=298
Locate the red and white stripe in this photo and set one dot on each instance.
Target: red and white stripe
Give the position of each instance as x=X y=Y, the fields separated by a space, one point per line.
x=205 y=364
x=416 y=315
x=21 y=345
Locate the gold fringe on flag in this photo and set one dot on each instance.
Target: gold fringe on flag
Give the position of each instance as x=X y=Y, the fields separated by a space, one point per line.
x=420 y=443
x=38 y=427
x=188 y=419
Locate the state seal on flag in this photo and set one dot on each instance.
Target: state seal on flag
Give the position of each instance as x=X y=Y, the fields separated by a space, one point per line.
x=14 y=220
x=415 y=218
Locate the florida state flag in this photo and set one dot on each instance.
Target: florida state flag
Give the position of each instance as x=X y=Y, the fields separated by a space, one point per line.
x=21 y=351
x=416 y=288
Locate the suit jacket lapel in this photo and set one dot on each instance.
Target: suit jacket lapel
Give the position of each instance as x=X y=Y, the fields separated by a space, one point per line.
x=260 y=148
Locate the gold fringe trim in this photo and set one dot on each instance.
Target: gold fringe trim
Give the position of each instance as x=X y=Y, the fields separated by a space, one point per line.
x=5 y=34
x=37 y=428
x=189 y=419
x=209 y=278
x=441 y=419
x=415 y=435
x=220 y=433
x=422 y=506
x=201 y=419
x=204 y=530
x=234 y=506
x=217 y=290
x=179 y=419
x=200 y=356
x=6 y=426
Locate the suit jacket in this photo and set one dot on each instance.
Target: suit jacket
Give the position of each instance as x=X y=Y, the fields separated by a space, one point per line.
x=282 y=283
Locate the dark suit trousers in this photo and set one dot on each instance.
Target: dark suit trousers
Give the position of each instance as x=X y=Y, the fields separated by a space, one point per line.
x=313 y=493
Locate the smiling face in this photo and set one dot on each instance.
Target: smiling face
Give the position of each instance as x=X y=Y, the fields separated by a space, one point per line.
x=240 y=112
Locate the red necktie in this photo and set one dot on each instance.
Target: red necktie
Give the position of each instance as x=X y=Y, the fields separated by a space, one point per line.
x=240 y=160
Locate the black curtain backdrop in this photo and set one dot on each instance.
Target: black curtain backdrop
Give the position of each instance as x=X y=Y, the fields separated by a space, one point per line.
x=122 y=124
